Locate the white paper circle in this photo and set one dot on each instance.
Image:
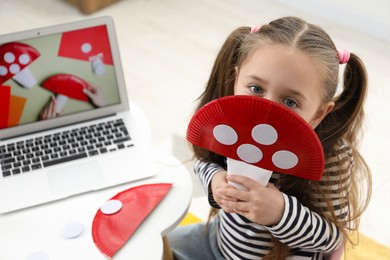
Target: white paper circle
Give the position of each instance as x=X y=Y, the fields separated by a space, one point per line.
x=38 y=256
x=285 y=159
x=3 y=71
x=264 y=134
x=225 y=134
x=249 y=153
x=72 y=230
x=14 y=68
x=24 y=59
x=9 y=57
x=111 y=207
x=86 y=47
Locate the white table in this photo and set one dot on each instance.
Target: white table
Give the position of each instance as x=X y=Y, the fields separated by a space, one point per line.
x=38 y=229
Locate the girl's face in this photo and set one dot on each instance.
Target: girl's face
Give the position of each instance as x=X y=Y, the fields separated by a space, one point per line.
x=286 y=76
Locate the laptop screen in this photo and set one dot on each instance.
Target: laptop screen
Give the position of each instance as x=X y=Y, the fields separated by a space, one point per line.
x=58 y=74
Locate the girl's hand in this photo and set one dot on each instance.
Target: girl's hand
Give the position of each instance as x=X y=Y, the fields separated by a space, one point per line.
x=219 y=183
x=262 y=205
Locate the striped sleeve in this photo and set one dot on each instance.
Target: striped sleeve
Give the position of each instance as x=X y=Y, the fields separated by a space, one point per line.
x=305 y=229
x=205 y=172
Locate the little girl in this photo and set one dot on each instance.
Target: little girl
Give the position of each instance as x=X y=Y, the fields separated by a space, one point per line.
x=296 y=64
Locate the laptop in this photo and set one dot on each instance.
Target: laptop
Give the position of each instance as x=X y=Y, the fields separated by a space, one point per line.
x=66 y=127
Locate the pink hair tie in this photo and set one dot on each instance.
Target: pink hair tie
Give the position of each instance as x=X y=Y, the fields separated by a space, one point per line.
x=343 y=56
x=255 y=28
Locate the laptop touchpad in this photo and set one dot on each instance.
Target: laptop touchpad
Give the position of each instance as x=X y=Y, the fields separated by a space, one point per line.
x=76 y=179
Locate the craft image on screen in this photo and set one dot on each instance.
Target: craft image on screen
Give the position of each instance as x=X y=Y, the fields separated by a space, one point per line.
x=56 y=75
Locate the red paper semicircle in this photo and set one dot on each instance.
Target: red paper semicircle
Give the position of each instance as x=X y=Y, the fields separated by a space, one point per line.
x=67 y=85
x=111 y=232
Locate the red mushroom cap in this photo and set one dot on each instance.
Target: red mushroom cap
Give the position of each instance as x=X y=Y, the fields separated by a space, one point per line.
x=14 y=57
x=111 y=232
x=67 y=85
x=259 y=132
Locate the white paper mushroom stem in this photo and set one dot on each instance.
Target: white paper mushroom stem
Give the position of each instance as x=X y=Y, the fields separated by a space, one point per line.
x=25 y=78
x=60 y=102
x=97 y=64
x=258 y=174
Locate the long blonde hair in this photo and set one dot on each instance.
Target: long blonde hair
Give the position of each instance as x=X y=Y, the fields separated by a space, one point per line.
x=344 y=122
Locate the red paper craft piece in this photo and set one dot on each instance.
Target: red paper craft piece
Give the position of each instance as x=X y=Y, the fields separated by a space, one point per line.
x=111 y=231
x=67 y=85
x=14 y=58
x=85 y=43
x=5 y=95
x=259 y=132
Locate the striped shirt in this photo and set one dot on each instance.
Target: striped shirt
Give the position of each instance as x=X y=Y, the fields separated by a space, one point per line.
x=303 y=230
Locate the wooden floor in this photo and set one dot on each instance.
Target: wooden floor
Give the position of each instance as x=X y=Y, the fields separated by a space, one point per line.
x=167 y=49
x=368 y=249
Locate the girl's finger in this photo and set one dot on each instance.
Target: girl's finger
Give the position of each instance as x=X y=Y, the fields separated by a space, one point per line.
x=239 y=205
x=247 y=182
x=239 y=195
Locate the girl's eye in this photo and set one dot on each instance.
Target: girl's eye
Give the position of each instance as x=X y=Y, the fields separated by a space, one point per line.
x=256 y=89
x=290 y=102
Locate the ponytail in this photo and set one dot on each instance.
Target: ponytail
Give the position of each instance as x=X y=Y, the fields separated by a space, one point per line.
x=345 y=122
x=346 y=119
x=221 y=82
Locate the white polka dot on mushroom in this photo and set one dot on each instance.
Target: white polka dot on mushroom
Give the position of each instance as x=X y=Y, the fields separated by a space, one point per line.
x=111 y=207
x=249 y=153
x=284 y=159
x=9 y=57
x=225 y=134
x=3 y=71
x=14 y=68
x=24 y=59
x=86 y=47
x=264 y=134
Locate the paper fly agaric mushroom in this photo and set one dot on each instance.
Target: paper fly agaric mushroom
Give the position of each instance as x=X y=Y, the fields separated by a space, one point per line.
x=15 y=57
x=90 y=44
x=66 y=86
x=258 y=135
x=111 y=230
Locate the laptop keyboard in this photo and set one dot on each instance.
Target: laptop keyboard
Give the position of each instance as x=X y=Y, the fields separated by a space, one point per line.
x=32 y=154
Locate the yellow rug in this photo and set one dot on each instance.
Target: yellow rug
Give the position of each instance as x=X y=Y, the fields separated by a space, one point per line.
x=367 y=249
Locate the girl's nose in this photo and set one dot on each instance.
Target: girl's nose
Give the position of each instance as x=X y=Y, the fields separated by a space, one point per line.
x=270 y=96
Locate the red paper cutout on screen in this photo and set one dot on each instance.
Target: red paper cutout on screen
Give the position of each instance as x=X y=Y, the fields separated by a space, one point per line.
x=67 y=85
x=111 y=232
x=14 y=57
x=285 y=142
x=5 y=96
x=85 y=43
